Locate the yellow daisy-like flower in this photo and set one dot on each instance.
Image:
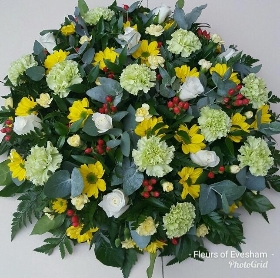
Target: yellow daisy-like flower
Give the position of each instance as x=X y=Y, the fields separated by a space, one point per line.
x=16 y=165
x=189 y=176
x=79 y=110
x=108 y=54
x=265 y=116
x=154 y=246
x=238 y=123
x=168 y=24
x=92 y=176
x=221 y=70
x=59 y=205
x=68 y=30
x=25 y=107
x=143 y=128
x=54 y=58
x=145 y=50
x=185 y=71
x=192 y=142
x=75 y=233
x=127 y=24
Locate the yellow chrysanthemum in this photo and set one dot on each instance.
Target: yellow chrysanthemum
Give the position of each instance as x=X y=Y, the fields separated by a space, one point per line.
x=185 y=71
x=108 y=54
x=145 y=50
x=154 y=246
x=59 y=205
x=265 y=116
x=16 y=165
x=68 y=30
x=54 y=58
x=192 y=142
x=127 y=24
x=143 y=128
x=92 y=176
x=238 y=123
x=221 y=70
x=75 y=233
x=26 y=106
x=169 y=24
x=189 y=176
x=79 y=110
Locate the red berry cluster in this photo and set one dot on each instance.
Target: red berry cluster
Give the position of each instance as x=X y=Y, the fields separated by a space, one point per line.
x=203 y=33
x=235 y=98
x=211 y=174
x=110 y=74
x=101 y=147
x=149 y=188
x=7 y=129
x=108 y=107
x=74 y=217
x=177 y=106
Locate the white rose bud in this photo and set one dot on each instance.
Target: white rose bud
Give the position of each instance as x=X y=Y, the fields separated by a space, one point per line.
x=79 y=201
x=154 y=30
x=163 y=12
x=74 y=141
x=9 y=102
x=84 y=39
x=205 y=158
x=49 y=213
x=205 y=65
x=25 y=124
x=249 y=114
x=44 y=100
x=114 y=203
x=130 y=36
x=48 y=41
x=142 y=113
x=227 y=54
x=155 y=61
x=167 y=186
x=103 y=122
x=190 y=89
x=202 y=231
x=234 y=169
x=217 y=39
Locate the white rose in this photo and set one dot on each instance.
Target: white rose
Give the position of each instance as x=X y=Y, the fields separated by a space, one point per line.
x=79 y=201
x=205 y=158
x=130 y=36
x=25 y=124
x=227 y=54
x=48 y=41
x=74 y=141
x=44 y=100
x=163 y=12
x=103 y=122
x=205 y=65
x=114 y=203
x=190 y=89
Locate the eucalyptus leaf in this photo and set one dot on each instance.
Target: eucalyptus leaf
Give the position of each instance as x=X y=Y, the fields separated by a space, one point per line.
x=141 y=241
x=179 y=17
x=191 y=17
x=132 y=180
x=90 y=128
x=113 y=143
x=125 y=144
x=117 y=117
x=88 y=56
x=207 y=199
x=36 y=73
x=77 y=183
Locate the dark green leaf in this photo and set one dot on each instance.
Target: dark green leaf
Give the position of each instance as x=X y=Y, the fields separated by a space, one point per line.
x=44 y=224
x=129 y=262
x=60 y=129
x=93 y=74
x=5 y=174
x=150 y=269
x=78 y=88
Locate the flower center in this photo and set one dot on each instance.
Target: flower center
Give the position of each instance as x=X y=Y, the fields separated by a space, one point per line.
x=91 y=178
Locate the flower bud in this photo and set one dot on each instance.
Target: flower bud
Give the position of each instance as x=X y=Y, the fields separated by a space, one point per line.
x=74 y=141
x=249 y=114
x=234 y=169
x=167 y=186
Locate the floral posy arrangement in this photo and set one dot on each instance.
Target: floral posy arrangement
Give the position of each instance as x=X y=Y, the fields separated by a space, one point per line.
x=135 y=130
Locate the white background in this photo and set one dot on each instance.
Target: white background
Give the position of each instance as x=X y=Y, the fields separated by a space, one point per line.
x=251 y=25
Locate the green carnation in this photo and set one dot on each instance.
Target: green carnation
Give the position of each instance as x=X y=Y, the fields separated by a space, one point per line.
x=135 y=78
x=255 y=154
x=214 y=123
x=41 y=163
x=93 y=16
x=154 y=156
x=179 y=220
x=18 y=67
x=183 y=42
x=255 y=90
x=62 y=76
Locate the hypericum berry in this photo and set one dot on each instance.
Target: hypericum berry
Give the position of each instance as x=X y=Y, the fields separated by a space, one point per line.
x=8 y=129
x=228 y=106
x=145 y=194
x=8 y=122
x=70 y=212
x=238 y=102
x=231 y=92
x=176 y=110
x=226 y=100
x=199 y=31
x=155 y=194
x=111 y=75
x=245 y=101
x=101 y=110
x=100 y=142
x=238 y=87
x=239 y=96
x=170 y=104
x=145 y=182
x=3 y=130
x=175 y=100
x=153 y=181
x=75 y=218
x=88 y=150
x=186 y=106
x=159 y=44
x=114 y=108
x=181 y=104
x=7 y=138
x=158 y=77
x=125 y=7
x=149 y=188
x=109 y=98
x=75 y=224
x=211 y=175
x=221 y=169
x=105 y=69
x=106 y=110
x=99 y=149
x=174 y=241
x=108 y=149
